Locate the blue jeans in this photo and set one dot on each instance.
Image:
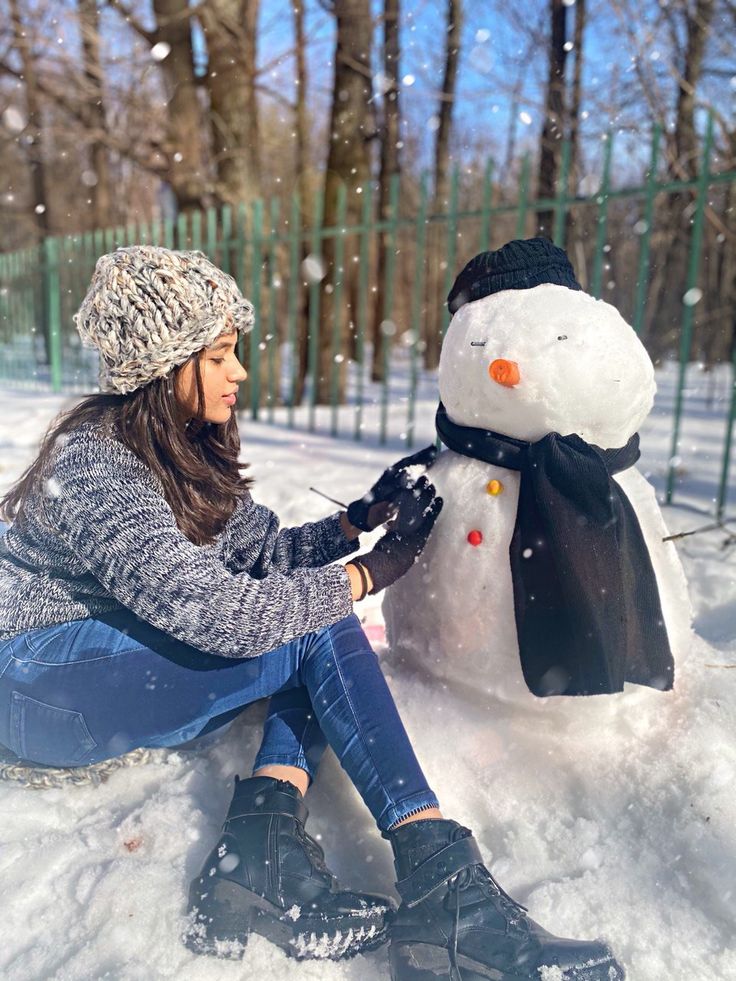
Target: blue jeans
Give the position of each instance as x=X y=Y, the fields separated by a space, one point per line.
x=88 y=690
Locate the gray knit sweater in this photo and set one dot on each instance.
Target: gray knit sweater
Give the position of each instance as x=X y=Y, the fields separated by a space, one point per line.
x=99 y=535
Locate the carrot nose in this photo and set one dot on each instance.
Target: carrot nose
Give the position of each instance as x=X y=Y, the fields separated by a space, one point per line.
x=504 y=372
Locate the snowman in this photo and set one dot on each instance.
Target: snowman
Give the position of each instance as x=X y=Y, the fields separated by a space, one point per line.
x=546 y=575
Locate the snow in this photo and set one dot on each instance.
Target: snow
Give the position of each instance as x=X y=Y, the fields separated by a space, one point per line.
x=630 y=835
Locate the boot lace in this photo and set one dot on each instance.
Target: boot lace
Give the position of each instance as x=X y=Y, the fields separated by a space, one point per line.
x=478 y=875
x=314 y=851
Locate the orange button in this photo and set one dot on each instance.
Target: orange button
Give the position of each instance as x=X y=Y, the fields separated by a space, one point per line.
x=494 y=487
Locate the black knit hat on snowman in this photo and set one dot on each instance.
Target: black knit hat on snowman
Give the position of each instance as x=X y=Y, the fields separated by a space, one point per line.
x=148 y=309
x=518 y=265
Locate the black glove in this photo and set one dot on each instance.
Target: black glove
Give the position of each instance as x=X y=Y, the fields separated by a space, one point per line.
x=398 y=550
x=384 y=491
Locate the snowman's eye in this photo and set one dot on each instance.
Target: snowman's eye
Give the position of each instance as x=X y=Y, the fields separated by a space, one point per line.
x=478 y=343
x=562 y=337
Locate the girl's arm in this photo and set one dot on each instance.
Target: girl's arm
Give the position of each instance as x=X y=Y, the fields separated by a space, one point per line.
x=107 y=510
x=253 y=541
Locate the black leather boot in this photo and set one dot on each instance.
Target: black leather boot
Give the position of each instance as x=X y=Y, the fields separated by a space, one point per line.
x=266 y=875
x=455 y=921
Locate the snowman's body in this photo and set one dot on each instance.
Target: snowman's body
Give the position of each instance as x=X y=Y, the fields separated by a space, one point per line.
x=581 y=370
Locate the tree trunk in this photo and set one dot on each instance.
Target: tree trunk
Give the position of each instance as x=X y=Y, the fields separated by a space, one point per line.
x=89 y=22
x=554 y=116
x=574 y=115
x=38 y=175
x=683 y=165
x=390 y=168
x=303 y=191
x=348 y=166
x=433 y=336
x=186 y=132
x=720 y=345
x=34 y=127
x=230 y=30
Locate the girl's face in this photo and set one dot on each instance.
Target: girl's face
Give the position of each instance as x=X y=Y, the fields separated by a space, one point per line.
x=221 y=374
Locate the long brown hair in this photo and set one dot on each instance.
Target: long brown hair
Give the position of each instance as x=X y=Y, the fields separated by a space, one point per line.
x=196 y=461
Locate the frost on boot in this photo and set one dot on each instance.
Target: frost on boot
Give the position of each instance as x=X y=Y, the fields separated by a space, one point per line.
x=456 y=923
x=268 y=876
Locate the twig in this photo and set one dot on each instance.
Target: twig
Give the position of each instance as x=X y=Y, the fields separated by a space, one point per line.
x=719 y=525
x=328 y=497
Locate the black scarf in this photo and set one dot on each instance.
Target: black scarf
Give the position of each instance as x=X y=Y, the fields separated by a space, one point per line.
x=588 y=614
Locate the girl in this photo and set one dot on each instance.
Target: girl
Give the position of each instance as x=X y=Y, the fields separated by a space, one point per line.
x=145 y=599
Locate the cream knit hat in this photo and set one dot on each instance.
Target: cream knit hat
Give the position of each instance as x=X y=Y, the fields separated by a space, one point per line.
x=148 y=309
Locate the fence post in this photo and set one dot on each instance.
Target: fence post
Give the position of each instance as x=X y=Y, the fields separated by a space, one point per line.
x=211 y=226
x=240 y=279
x=388 y=298
x=558 y=232
x=197 y=230
x=313 y=336
x=337 y=291
x=255 y=335
x=53 y=308
x=295 y=227
x=363 y=263
x=181 y=231
x=451 y=247
x=168 y=233
x=226 y=231
x=688 y=308
x=600 y=238
x=723 y=484
x=646 y=237
x=485 y=213
x=523 y=196
x=416 y=305
x=272 y=343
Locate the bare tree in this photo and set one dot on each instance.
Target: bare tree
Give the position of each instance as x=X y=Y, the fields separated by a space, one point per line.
x=433 y=339
x=348 y=167
x=554 y=116
x=446 y=103
x=185 y=142
x=389 y=169
x=89 y=23
x=301 y=153
x=683 y=151
x=34 y=128
x=576 y=94
x=230 y=29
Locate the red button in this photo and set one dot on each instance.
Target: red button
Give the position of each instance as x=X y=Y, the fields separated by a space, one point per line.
x=475 y=537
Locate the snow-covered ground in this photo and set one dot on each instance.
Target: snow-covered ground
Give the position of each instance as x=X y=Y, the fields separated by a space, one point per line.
x=631 y=834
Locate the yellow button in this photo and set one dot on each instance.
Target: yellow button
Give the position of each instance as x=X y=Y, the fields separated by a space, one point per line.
x=494 y=487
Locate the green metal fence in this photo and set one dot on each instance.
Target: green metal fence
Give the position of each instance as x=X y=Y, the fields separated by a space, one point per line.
x=270 y=251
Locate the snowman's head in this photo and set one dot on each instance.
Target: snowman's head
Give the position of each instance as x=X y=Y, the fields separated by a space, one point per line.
x=527 y=362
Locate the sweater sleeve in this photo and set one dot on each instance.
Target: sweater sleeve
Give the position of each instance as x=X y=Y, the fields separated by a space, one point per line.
x=254 y=542
x=118 y=524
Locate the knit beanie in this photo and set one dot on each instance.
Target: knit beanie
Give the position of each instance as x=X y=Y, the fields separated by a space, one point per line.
x=518 y=265
x=148 y=309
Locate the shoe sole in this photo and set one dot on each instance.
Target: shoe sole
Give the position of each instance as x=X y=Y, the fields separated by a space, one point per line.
x=222 y=919
x=427 y=962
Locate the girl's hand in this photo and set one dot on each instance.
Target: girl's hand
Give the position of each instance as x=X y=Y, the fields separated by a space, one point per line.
x=375 y=507
x=401 y=546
